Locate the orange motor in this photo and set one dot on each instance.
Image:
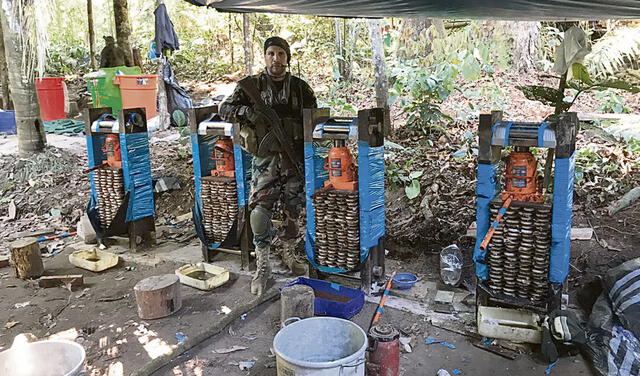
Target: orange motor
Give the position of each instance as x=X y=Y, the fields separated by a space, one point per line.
x=223 y=156
x=522 y=177
x=342 y=171
x=111 y=148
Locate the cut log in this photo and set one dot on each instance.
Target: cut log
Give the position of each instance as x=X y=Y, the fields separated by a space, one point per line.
x=625 y=201
x=76 y=280
x=296 y=301
x=158 y=296
x=26 y=257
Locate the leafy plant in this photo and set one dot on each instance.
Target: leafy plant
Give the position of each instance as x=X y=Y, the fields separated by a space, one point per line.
x=611 y=102
x=615 y=51
x=577 y=78
x=402 y=176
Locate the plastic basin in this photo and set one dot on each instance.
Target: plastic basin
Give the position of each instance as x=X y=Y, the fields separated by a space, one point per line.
x=404 y=281
x=43 y=358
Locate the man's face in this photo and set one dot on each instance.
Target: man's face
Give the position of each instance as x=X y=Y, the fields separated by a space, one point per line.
x=276 y=59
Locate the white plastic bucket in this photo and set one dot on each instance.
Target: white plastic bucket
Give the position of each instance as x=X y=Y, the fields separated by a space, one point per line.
x=43 y=358
x=320 y=346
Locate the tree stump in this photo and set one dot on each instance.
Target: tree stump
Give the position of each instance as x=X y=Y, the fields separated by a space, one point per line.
x=158 y=296
x=26 y=257
x=296 y=301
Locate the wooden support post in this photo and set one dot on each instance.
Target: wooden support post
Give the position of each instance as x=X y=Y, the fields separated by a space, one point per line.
x=296 y=301
x=142 y=234
x=158 y=296
x=27 y=259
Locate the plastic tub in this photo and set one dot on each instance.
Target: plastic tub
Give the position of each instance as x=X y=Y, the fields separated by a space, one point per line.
x=43 y=358
x=8 y=122
x=320 y=346
x=404 y=281
x=332 y=299
x=139 y=91
x=52 y=97
x=104 y=93
x=510 y=324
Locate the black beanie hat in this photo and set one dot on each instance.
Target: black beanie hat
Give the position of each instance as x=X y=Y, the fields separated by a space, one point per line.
x=277 y=41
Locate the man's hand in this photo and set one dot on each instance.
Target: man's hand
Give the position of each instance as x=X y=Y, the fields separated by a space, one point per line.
x=255 y=112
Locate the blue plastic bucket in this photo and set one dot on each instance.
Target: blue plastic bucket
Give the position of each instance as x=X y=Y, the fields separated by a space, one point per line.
x=8 y=122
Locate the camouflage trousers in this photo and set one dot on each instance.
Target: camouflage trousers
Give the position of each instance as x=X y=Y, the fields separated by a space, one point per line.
x=273 y=177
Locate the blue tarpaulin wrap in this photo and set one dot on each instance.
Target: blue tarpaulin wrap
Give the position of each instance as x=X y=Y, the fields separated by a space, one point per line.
x=315 y=176
x=136 y=170
x=243 y=163
x=371 y=192
x=202 y=147
x=485 y=193
x=95 y=157
x=561 y=221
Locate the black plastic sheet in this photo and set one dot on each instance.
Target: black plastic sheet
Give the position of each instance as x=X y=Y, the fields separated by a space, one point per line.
x=481 y=9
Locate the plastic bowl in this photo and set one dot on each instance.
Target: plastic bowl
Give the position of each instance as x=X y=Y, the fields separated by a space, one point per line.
x=404 y=281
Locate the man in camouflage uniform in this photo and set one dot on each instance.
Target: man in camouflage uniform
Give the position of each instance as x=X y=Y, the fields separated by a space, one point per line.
x=273 y=173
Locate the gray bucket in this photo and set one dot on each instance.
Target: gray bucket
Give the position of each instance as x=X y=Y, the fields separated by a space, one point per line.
x=43 y=358
x=320 y=346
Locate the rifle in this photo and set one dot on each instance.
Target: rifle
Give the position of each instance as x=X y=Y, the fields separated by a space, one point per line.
x=249 y=87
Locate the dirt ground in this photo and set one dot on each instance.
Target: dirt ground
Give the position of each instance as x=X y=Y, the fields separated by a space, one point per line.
x=102 y=317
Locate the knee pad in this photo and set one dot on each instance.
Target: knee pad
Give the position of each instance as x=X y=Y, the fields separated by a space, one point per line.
x=260 y=220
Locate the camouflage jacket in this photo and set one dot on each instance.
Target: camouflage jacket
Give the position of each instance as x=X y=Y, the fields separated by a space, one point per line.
x=287 y=98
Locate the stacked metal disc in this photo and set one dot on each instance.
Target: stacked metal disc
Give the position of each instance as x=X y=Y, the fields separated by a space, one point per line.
x=220 y=206
x=337 y=228
x=542 y=246
x=110 y=191
x=519 y=252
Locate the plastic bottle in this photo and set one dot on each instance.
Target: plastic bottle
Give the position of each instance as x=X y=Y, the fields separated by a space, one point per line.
x=451 y=265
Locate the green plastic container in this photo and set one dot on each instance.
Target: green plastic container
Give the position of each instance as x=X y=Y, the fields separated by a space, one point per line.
x=104 y=93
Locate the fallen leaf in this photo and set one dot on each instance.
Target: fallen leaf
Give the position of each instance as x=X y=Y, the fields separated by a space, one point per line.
x=22 y=305
x=11 y=324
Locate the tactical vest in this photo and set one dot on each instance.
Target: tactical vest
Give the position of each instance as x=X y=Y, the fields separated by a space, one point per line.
x=287 y=103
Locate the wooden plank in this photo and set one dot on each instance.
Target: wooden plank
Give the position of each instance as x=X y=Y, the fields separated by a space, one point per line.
x=581 y=233
x=76 y=280
x=496 y=350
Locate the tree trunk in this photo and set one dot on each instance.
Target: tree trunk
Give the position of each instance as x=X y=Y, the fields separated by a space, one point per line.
x=164 y=120
x=92 y=36
x=231 y=42
x=411 y=44
x=7 y=104
x=382 y=90
x=123 y=29
x=17 y=44
x=340 y=53
x=525 y=35
x=248 y=53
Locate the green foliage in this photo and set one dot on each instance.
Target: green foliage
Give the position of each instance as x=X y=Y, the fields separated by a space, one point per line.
x=421 y=91
x=609 y=101
x=614 y=52
x=398 y=176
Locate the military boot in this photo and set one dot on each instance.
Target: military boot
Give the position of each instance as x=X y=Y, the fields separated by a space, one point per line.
x=294 y=264
x=263 y=271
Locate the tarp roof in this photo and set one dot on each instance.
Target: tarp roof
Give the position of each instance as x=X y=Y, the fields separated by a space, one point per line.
x=485 y=9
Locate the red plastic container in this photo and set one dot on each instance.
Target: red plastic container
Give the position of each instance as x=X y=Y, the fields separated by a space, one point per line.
x=52 y=96
x=139 y=91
